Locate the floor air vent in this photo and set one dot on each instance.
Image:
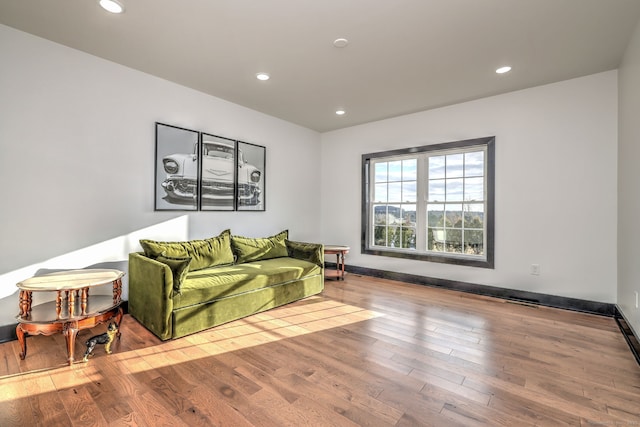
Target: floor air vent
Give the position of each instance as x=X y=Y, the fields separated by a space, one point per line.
x=526 y=302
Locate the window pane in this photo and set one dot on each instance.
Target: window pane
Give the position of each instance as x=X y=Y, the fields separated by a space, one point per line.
x=395 y=192
x=454 y=216
x=409 y=168
x=394 y=215
x=380 y=215
x=395 y=171
x=408 y=213
x=435 y=215
x=473 y=237
x=436 y=190
x=474 y=164
x=409 y=191
x=453 y=240
x=474 y=243
x=380 y=193
x=474 y=215
x=380 y=236
x=455 y=189
x=436 y=239
x=455 y=165
x=408 y=238
x=381 y=172
x=436 y=167
x=474 y=189
x=393 y=237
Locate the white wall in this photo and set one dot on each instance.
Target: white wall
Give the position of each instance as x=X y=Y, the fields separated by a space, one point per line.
x=77 y=155
x=628 y=180
x=77 y=159
x=555 y=185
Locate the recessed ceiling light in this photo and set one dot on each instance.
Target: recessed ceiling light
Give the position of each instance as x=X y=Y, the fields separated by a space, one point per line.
x=503 y=70
x=262 y=76
x=340 y=112
x=340 y=42
x=113 y=6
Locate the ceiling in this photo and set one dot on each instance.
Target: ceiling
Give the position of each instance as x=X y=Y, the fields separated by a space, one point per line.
x=403 y=56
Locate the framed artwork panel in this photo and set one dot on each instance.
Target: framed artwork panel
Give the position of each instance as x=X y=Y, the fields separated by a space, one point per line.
x=218 y=173
x=176 y=168
x=250 y=185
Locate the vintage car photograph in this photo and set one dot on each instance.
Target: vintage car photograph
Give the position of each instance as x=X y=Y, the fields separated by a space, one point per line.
x=251 y=179
x=176 y=175
x=217 y=176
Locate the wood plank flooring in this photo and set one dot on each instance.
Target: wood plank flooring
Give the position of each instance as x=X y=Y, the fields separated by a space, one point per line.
x=366 y=352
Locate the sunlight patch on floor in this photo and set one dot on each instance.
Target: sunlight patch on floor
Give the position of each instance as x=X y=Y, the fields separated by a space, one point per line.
x=259 y=329
x=318 y=314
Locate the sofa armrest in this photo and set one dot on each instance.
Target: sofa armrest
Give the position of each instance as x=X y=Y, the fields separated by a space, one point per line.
x=312 y=252
x=150 y=294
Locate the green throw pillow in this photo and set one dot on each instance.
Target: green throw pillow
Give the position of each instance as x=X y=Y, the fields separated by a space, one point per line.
x=203 y=253
x=248 y=249
x=179 y=268
x=312 y=252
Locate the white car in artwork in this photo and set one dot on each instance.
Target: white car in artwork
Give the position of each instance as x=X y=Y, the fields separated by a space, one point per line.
x=218 y=168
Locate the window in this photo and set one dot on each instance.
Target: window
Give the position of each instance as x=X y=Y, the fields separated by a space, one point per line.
x=433 y=203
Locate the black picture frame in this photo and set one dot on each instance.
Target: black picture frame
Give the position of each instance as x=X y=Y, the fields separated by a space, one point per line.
x=250 y=177
x=177 y=168
x=218 y=173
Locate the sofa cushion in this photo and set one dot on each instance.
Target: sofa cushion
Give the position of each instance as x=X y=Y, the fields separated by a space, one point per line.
x=311 y=252
x=179 y=268
x=203 y=253
x=247 y=249
x=220 y=282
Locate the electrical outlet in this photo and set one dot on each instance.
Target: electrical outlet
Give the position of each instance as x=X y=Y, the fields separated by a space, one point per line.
x=535 y=269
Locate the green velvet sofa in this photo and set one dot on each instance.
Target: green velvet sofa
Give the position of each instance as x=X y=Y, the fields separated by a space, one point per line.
x=179 y=288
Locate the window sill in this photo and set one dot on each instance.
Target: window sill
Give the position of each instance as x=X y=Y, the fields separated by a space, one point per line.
x=430 y=257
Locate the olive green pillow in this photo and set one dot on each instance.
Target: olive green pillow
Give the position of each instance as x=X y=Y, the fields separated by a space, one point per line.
x=248 y=249
x=203 y=253
x=312 y=252
x=179 y=268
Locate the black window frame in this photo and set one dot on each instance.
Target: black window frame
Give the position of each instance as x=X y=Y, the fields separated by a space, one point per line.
x=440 y=257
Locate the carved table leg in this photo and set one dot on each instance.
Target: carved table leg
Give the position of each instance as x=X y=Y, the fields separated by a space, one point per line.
x=22 y=341
x=25 y=304
x=83 y=300
x=119 y=320
x=58 y=304
x=70 y=330
x=117 y=291
x=72 y=303
x=20 y=308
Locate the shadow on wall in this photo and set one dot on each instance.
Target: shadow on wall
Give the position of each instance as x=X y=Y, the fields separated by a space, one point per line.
x=113 y=253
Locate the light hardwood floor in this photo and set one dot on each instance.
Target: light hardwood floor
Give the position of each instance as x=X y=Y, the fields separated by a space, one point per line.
x=365 y=352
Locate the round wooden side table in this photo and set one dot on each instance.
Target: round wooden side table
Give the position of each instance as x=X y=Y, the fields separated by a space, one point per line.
x=73 y=310
x=340 y=252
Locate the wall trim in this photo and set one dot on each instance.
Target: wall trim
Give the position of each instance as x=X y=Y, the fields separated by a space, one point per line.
x=633 y=339
x=573 y=304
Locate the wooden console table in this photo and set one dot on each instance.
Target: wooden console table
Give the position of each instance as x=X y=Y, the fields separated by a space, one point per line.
x=340 y=252
x=73 y=310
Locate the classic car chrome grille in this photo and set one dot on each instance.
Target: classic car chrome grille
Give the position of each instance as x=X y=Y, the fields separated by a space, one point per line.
x=215 y=188
x=246 y=190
